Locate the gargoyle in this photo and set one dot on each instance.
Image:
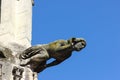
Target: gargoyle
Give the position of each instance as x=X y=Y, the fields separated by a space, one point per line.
x=36 y=56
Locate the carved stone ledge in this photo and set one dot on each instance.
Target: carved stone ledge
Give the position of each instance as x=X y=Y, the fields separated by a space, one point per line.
x=10 y=71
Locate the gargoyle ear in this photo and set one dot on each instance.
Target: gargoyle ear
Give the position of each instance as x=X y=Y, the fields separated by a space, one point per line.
x=73 y=39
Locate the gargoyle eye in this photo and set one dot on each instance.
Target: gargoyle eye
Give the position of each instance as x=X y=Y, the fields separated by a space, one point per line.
x=73 y=39
x=62 y=44
x=83 y=43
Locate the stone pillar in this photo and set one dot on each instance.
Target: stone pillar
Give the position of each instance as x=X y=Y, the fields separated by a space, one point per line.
x=16 y=22
x=15 y=37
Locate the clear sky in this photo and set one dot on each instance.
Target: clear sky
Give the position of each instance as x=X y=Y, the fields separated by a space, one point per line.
x=98 y=21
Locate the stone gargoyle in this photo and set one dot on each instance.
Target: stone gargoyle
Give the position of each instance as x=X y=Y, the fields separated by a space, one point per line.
x=36 y=57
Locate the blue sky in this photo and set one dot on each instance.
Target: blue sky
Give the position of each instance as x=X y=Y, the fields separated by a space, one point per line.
x=98 y=21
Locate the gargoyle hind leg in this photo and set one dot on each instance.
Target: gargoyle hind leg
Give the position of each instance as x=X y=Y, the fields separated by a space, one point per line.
x=33 y=54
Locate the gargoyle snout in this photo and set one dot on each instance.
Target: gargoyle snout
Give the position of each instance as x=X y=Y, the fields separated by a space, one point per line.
x=83 y=43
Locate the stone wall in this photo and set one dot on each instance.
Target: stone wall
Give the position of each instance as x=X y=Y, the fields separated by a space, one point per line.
x=15 y=35
x=16 y=22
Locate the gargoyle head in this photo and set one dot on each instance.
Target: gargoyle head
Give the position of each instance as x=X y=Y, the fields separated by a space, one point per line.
x=77 y=43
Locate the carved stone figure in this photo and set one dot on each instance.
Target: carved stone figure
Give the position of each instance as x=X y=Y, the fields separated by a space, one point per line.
x=36 y=57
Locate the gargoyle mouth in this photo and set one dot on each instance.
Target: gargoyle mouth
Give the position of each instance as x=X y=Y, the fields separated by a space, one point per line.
x=78 y=44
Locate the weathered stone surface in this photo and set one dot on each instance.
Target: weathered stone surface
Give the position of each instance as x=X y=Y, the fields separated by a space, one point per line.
x=16 y=21
x=10 y=68
x=9 y=71
x=15 y=37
